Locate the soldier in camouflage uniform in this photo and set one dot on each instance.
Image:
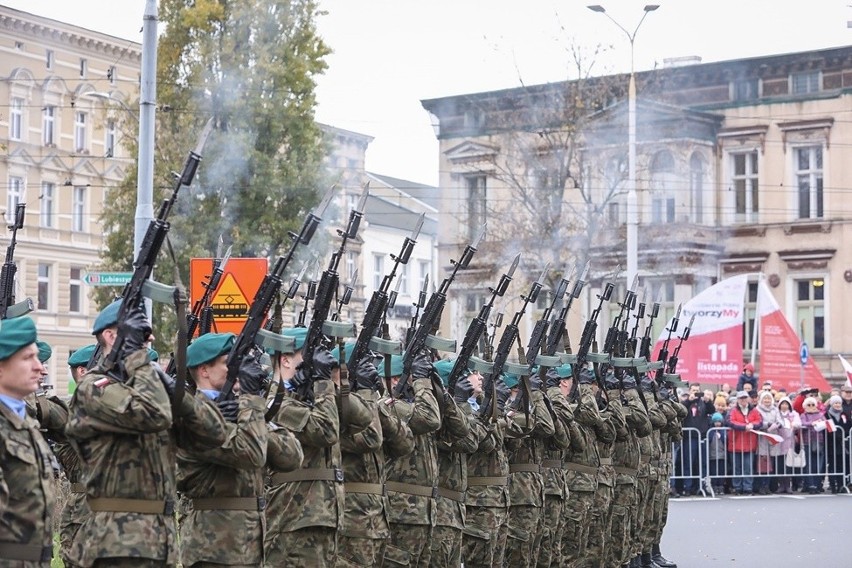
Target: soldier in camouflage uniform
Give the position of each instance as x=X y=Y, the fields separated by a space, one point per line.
x=411 y=479
x=221 y=507
x=459 y=436
x=526 y=486
x=121 y=431
x=649 y=473
x=626 y=462
x=487 y=498
x=305 y=507
x=26 y=472
x=365 y=524
x=555 y=484
x=581 y=463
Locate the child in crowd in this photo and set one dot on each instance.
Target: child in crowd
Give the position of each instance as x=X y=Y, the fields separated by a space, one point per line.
x=717 y=453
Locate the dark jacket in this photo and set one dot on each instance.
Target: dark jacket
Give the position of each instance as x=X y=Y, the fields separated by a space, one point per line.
x=752 y=380
x=698 y=413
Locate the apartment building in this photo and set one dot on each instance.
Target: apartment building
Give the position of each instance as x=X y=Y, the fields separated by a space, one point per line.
x=740 y=169
x=60 y=153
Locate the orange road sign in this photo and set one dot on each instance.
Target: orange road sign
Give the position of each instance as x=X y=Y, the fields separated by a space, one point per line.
x=237 y=288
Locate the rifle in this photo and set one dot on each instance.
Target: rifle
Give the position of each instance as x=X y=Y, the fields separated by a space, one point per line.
x=557 y=328
x=645 y=344
x=421 y=301
x=672 y=362
x=539 y=333
x=346 y=296
x=536 y=338
x=477 y=327
x=664 y=351
x=7 y=274
x=153 y=241
x=379 y=301
x=309 y=295
x=588 y=337
x=268 y=293
x=325 y=293
x=510 y=333
x=432 y=313
x=640 y=313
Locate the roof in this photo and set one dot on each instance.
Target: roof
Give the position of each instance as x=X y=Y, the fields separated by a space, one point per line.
x=428 y=194
x=380 y=212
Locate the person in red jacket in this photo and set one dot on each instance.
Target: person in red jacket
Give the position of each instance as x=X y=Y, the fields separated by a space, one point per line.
x=742 y=442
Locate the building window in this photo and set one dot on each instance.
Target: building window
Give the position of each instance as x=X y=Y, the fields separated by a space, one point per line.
x=403 y=280
x=810 y=311
x=111 y=74
x=48 y=191
x=80 y=131
x=378 y=270
x=473 y=302
x=84 y=67
x=19 y=45
x=75 y=291
x=49 y=59
x=13 y=197
x=809 y=180
x=663 y=188
x=475 y=204
x=696 y=187
x=350 y=265
x=109 y=142
x=425 y=268
x=48 y=125
x=745 y=184
x=746 y=89
x=43 y=287
x=16 y=119
x=806 y=82
x=750 y=315
x=78 y=209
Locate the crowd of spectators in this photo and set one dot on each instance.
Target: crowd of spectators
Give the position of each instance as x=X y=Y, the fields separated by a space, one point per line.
x=807 y=441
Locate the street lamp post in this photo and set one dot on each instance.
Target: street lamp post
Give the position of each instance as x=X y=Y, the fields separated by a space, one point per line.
x=632 y=200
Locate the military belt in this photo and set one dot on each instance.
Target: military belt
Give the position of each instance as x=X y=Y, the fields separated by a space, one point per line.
x=411 y=489
x=580 y=468
x=143 y=506
x=482 y=481
x=450 y=494
x=25 y=552
x=358 y=487
x=524 y=467
x=229 y=504
x=625 y=470
x=551 y=463
x=78 y=488
x=308 y=475
x=606 y=461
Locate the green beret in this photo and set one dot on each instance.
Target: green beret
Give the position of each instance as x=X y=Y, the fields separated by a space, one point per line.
x=299 y=334
x=208 y=347
x=153 y=355
x=81 y=356
x=348 y=348
x=396 y=366
x=443 y=368
x=107 y=318
x=15 y=334
x=44 y=351
x=564 y=371
x=510 y=380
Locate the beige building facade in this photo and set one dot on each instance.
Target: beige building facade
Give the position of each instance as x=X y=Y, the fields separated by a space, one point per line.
x=60 y=153
x=740 y=169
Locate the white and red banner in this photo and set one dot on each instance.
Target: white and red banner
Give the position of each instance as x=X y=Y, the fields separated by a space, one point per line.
x=714 y=351
x=780 y=348
x=847 y=368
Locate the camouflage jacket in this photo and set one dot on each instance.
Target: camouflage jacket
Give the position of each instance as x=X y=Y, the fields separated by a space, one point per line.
x=582 y=459
x=121 y=431
x=216 y=532
x=625 y=455
x=363 y=455
x=459 y=435
x=26 y=486
x=526 y=485
x=672 y=432
x=312 y=496
x=411 y=479
x=649 y=447
x=555 y=446
x=613 y=422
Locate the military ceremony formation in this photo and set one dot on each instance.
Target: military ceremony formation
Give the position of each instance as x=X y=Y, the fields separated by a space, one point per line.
x=333 y=444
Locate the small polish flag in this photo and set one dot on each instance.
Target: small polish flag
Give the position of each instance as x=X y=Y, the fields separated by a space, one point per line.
x=830 y=426
x=847 y=367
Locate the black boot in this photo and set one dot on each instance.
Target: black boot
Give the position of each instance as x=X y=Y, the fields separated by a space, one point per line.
x=635 y=562
x=645 y=561
x=659 y=559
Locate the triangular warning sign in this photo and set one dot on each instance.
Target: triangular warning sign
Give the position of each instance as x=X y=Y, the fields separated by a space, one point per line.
x=229 y=302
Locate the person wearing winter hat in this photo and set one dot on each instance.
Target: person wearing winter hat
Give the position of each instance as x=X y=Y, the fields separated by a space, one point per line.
x=813 y=441
x=840 y=423
x=742 y=443
x=717 y=437
x=790 y=426
x=747 y=377
x=763 y=484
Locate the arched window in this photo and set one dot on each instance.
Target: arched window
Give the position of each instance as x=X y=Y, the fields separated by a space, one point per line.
x=696 y=187
x=662 y=187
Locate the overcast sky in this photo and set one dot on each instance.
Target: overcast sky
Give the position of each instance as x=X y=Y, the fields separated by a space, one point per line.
x=390 y=54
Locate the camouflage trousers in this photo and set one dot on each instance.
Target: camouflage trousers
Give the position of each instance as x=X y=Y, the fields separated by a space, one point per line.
x=205 y=564
x=662 y=512
x=408 y=545
x=600 y=518
x=356 y=552
x=484 y=542
x=446 y=546
x=313 y=546
x=620 y=549
x=71 y=519
x=523 y=526
x=649 y=509
x=575 y=531
x=552 y=525
x=641 y=516
x=130 y=563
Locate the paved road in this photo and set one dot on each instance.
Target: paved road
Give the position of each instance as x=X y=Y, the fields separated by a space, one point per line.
x=807 y=531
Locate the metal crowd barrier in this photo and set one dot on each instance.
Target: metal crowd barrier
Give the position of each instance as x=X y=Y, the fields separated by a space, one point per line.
x=705 y=464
